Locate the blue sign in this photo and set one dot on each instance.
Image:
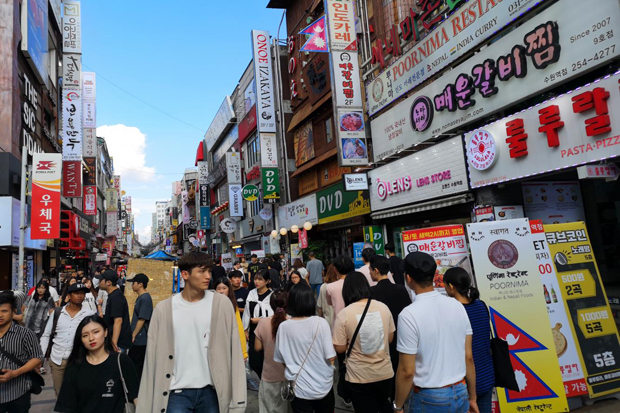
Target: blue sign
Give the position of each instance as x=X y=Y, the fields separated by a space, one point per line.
x=205 y=217
x=357 y=254
x=36 y=36
x=239 y=251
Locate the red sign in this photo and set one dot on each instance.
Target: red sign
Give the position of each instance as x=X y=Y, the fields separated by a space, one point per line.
x=247 y=125
x=90 y=200
x=253 y=174
x=45 y=208
x=303 y=238
x=72 y=179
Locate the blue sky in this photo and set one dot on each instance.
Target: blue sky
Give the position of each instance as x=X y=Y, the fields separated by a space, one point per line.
x=180 y=56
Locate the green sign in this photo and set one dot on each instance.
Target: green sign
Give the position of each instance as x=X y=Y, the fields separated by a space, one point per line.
x=271 y=185
x=374 y=235
x=335 y=204
x=250 y=192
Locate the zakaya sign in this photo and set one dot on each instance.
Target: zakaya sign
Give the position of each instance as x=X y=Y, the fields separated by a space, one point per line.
x=544 y=52
x=45 y=207
x=575 y=128
x=591 y=319
x=265 y=106
x=507 y=275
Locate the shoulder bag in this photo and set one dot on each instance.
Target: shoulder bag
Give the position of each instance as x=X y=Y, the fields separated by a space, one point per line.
x=37 y=381
x=287 y=391
x=342 y=388
x=502 y=366
x=129 y=406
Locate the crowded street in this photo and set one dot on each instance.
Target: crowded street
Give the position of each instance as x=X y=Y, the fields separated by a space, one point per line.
x=310 y=206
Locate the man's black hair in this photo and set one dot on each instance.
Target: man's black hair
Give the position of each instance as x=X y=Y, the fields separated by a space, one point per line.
x=344 y=264
x=421 y=267
x=235 y=273
x=380 y=263
x=389 y=247
x=301 y=301
x=268 y=262
x=355 y=288
x=7 y=297
x=367 y=253
x=193 y=260
x=253 y=256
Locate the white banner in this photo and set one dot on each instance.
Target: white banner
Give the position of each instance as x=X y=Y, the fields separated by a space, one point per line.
x=89 y=114
x=519 y=148
x=89 y=86
x=298 y=212
x=505 y=72
x=203 y=172
x=72 y=125
x=111 y=224
x=268 y=150
x=235 y=199
x=450 y=40
x=341 y=22
x=233 y=167
x=71 y=27
x=347 y=80
x=265 y=106
x=71 y=71
x=89 y=142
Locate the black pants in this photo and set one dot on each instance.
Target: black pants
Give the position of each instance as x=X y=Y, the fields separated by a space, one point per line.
x=19 y=405
x=371 y=397
x=324 y=405
x=137 y=355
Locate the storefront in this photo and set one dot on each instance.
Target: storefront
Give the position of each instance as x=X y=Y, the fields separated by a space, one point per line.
x=427 y=188
x=293 y=217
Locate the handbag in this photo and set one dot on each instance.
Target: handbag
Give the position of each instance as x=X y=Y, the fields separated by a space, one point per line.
x=35 y=378
x=287 y=391
x=342 y=372
x=129 y=406
x=502 y=366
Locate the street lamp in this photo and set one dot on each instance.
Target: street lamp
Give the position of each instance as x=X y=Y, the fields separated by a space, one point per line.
x=274 y=233
x=307 y=225
x=283 y=231
x=294 y=229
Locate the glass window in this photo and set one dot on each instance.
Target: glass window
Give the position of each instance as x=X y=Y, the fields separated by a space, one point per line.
x=328 y=130
x=254 y=207
x=253 y=154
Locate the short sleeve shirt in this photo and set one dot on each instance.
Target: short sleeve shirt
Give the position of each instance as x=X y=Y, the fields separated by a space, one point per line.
x=117 y=308
x=369 y=361
x=241 y=295
x=315 y=268
x=142 y=310
x=273 y=372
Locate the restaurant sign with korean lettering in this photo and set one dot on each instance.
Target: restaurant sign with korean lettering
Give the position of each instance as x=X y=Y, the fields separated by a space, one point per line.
x=334 y=203
x=299 y=212
x=548 y=50
x=72 y=125
x=45 y=206
x=268 y=150
x=342 y=24
x=576 y=128
x=72 y=27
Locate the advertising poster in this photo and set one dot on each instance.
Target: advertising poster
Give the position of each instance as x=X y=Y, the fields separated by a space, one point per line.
x=227 y=261
x=446 y=244
x=374 y=236
x=296 y=252
x=509 y=281
x=553 y=202
x=260 y=253
x=34 y=40
x=358 y=247
x=503 y=213
x=565 y=348
x=585 y=300
x=45 y=207
x=484 y=213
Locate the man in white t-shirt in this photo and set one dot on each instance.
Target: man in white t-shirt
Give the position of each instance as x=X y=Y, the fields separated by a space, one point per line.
x=434 y=343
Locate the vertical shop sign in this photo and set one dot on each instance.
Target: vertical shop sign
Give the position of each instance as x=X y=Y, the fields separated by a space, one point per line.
x=89 y=86
x=236 y=201
x=72 y=179
x=89 y=142
x=111 y=224
x=205 y=217
x=72 y=125
x=203 y=172
x=90 y=187
x=89 y=114
x=45 y=207
x=591 y=319
x=507 y=275
x=446 y=244
x=303 y=238
x=565 y=348
x=265 y=108
x=72 y=27
x=346 y=85
x=117 y=183
x=233 y=167
x=374 y=235
x=268 y=150
x=111 y=200
x=271 y=185
x=203 y=195
x=71 y=70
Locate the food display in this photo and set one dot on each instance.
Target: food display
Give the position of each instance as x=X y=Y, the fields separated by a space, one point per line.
x=351 y=121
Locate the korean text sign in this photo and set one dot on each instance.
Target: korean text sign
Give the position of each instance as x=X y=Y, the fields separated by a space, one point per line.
x=45 y=213
x=591 y=319
x=507 y=276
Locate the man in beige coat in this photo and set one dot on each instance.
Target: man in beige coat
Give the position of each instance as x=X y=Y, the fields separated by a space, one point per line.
x=193 y=359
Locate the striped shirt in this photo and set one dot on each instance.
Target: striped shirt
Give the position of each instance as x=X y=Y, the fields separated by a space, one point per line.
x=481 y=345
x=23 y=344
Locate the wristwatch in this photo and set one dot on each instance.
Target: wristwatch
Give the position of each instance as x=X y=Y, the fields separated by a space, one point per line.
x=396 y=408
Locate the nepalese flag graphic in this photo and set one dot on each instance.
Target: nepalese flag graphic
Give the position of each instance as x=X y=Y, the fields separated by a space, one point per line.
x=318 y=37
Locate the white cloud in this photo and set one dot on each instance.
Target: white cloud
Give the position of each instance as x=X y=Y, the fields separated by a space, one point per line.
x=127 y=145
x=145 y=234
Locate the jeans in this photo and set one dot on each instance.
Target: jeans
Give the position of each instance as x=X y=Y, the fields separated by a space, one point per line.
x=371 y=397
x=19 y=405
x=193 y=400
x=316 y=288
x=324 y=405
x=137 y=355
x=485 y=402
x=452 y=399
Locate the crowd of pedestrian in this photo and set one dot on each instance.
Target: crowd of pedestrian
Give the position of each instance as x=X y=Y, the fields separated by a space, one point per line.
x=381 y=332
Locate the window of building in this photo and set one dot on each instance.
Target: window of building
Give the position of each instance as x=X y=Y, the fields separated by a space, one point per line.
x=254 y=207
x=253 y=153
x=328 y=130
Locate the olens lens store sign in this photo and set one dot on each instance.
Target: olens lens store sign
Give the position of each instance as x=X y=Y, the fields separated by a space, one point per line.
x=334 y=203
x=544 y=52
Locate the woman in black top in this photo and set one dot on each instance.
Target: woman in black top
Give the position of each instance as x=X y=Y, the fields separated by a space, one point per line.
x=92 y=381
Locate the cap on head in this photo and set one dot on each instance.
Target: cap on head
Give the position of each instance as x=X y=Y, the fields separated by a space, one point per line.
x=74 y=288
x=109 y=275
x=420 y=266
x=140 y=278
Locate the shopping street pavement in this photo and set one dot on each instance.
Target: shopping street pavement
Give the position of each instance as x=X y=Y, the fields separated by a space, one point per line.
x=44 y=402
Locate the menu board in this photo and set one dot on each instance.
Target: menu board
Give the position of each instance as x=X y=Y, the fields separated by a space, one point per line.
x=590 y=316
x=553 y=202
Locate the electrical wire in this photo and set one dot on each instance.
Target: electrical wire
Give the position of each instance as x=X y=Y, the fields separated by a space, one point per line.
x=147 y=172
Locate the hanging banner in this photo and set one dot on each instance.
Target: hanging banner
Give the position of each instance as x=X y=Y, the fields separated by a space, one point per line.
x=111 y=200
x=111 y=224
x=72 y=179
x=265 y=107
x=508 y=278
x=233 y=167
x=89 y=86
x=342 y=35
x=235 y=199
x=71 y=71
x=268 y=150
x=591 y=319
x=446 y=244
x=271 y=185
x=45 y=207
x=205 y=217
x=303 y=238
x=374 y=236
x=89 y=142
x=72 y=125
x=565 y=347
x=71 y=27
x=90 y=200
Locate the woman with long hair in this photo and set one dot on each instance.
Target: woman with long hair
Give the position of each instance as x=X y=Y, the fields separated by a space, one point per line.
x=294 y=279
x=224 y=287
x=257 y=306
x=90 y=300
x=269 y=399
x=298 y=266
x=93 y=382
x=458 y=285
x=38 y=308
x=325 y=310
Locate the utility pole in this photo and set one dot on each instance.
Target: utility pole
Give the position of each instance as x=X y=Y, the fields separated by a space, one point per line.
x=21 y=279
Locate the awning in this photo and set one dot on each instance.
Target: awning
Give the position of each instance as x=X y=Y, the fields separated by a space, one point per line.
x=424 y=206
x=251 y=238
x=315 y=161
x=306 y=111
x=200 y=153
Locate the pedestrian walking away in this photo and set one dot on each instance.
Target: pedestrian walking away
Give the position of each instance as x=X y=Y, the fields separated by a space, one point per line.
x=367 y=254
x=193 y=335
x=396 y=264
x=323 y=308
x=142 y=312
x=316 y=272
